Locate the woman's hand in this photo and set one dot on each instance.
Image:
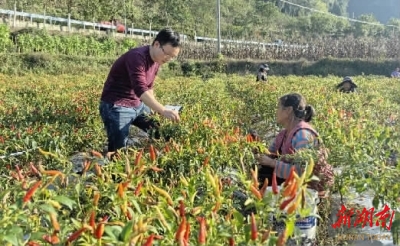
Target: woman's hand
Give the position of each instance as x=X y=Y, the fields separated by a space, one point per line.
x=264 y=160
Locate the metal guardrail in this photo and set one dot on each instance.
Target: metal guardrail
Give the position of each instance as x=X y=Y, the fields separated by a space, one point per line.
x=142 y=32
x=70 y=21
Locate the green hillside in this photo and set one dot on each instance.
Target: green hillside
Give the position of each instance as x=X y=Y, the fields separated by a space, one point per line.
x=255 y=19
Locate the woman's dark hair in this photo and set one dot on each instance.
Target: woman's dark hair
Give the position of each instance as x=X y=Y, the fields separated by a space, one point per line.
x=168 y=36
x=300 y=108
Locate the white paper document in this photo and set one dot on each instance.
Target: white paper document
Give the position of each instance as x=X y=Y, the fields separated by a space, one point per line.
x=173 y=107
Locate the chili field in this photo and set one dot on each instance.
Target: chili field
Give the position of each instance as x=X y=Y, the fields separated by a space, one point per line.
x=180 y=192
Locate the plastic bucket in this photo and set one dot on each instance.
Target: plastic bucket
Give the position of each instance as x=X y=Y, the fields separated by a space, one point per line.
x=305 y=228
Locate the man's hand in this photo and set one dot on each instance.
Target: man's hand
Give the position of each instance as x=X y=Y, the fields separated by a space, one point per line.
x=150 y=101
x=171 y=115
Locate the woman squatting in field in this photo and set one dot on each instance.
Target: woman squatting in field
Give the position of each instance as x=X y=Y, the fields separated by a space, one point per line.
x=294 y=114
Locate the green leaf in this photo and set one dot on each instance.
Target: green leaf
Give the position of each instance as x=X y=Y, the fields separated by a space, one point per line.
x=247 y=232
x=375 y=201
x=396 y=226
x=13 y=235
x=113 y=231
x=126 y=231
x=76 y=223
x=290 y=224
x=47 y=208
x=11 y=238
x=239 y=219
x=136 y=205
x=65 y=200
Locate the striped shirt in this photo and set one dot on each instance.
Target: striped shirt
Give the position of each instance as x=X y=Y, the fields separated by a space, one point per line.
x=303 y=139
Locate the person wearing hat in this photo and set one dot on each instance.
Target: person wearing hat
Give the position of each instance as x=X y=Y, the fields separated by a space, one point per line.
x=262 y=73
x=395 y=73
x=347 y=85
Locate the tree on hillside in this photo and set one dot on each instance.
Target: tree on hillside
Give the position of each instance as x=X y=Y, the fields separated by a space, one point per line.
x=361 y=29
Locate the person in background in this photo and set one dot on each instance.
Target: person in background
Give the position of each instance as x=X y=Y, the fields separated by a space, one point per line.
x=395 y=73
x=262 y=74
x=294 y=115
x=128 y=98
x=347 y=85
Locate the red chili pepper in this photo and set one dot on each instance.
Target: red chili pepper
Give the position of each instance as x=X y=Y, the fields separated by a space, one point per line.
x=31 y=191
x=33 y=243
x=125 y=184
x=19 y=172
x=265 y=236
x=86 y=166
x=53 y=239
x=51 y=172
x=138 y=188
x=138 y=157
x=120 y=190
x=292 y=208
x=281 y=239
x=97 y=154
x=76 y=235
x=54 y=222
x=249 y=138
x=166 y=149
x=97 y=168
x=128 y=215
x=264 y=187
x=180 y=233
x=96 y=198
x=202 y=230
x=255 y=178
x=152 y=153
x=205 y=162
x=231 y=241
x=274 y=184
x=255 y=192
x=187 y=232
x=24 y=185
x=156 y=169
x=14 y=175
x=92 y=220
x=286 y=202
x=181 y=208
x=291 y=176
x=100 y=228
x=158 y=237
x=149 y=240
x=99 y=231
x=290 y=189
x=253 y=228
x=216 y=207
x=34 y=170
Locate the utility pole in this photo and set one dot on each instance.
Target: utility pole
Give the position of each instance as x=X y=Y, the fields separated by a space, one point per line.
x=126 y=28
x=219 y=25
